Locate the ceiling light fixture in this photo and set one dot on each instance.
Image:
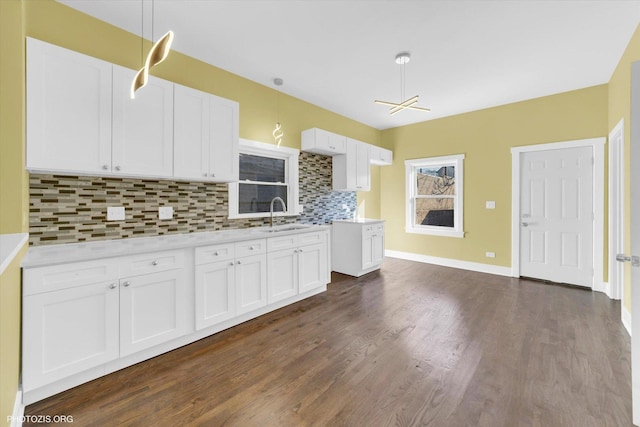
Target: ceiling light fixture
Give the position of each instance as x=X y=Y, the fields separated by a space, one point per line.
x=277 y=133
x=409 y=104
x=156 y=55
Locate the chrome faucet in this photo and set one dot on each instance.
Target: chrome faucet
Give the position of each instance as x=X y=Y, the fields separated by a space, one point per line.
x=284 y=207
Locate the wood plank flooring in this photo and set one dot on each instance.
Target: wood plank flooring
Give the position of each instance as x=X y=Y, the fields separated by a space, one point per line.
x=411 y=345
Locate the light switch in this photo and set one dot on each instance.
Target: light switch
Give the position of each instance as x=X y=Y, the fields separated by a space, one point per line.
x=165 y=212
x=490 y=254
x=115 y=213
x=490 y=204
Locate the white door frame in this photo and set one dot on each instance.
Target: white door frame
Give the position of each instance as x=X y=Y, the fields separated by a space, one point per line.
x=597 y=145
x=616 y=211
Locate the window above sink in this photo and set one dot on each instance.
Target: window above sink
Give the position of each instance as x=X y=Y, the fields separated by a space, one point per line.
x=265 y=172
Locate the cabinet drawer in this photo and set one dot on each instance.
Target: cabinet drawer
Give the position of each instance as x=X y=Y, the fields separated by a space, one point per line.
x=151 y=263
x=282 y=242
x=64 y=276
x=251 y=247
x=371 y=229
x=214 y=253
x=310 y=238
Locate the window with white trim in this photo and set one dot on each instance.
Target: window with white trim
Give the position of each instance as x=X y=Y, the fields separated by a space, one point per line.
x=265 y=172
x=434 y=195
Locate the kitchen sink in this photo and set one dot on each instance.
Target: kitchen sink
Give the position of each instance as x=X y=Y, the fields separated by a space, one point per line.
x=281 y=228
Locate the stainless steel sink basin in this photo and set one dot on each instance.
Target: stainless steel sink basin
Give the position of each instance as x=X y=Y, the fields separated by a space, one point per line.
x=281 y=229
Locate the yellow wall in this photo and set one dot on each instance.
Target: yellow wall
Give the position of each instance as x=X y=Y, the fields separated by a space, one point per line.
x=485 y=137
x=13 y=193
x=619 y=108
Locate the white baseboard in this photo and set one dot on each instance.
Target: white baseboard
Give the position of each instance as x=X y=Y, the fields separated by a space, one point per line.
x=448 y=262
x=18 y=410
x=603 y=287
x=626 y=318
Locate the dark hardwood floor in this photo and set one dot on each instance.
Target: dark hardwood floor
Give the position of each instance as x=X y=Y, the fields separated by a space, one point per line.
x=413 y=344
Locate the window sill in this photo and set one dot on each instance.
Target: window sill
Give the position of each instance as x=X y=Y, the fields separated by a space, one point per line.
x=262 y=215
x=435 y=232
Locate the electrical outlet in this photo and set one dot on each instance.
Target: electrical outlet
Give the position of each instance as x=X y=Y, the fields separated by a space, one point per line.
x=165 y=212
x=490 y=254
x=115 y=213
x=490 y=204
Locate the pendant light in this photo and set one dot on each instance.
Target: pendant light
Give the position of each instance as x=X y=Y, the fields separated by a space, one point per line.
x=158 y=52
x=408 y=104
x=277 y=133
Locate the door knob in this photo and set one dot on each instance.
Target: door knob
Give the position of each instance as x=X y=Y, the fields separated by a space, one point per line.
x=635 y=261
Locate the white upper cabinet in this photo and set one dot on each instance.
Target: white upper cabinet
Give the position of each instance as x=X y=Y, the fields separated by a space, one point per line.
x=68 y=110
x=351 y=171
x=142 y=127
x=81 y=120
x=205 y=136
x=320 y=141
x=380 y=156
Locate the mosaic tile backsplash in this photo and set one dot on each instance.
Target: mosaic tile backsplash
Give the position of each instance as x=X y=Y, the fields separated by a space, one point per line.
x=67 y=209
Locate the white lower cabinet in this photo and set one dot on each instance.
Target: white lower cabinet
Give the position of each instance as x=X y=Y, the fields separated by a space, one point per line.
x=68 y=331
x=153 y=310
x=230 y=279
x=358 y=246
x=82 y=320
x=81 y=315
x=296 y=264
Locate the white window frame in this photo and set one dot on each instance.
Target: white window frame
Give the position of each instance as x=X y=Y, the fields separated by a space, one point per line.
x=411 y=167
x=290 y=156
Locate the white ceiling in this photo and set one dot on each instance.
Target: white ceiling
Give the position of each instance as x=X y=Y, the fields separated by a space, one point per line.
x=339 y=55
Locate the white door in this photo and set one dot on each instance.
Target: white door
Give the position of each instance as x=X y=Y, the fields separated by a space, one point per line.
x=215 y=293
x=251 y=283
x=153 y=310
x=191 y=133
x=142 y=127
x=223 y=156
x=68 y=110
x=557 y=214
x=616 y=210
x=282 y=274
x=635 y=240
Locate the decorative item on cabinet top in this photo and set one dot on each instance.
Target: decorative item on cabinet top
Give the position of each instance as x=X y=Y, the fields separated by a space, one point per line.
x=81 y=121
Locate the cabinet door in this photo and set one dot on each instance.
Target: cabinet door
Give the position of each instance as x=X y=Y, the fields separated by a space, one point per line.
x=66 y=332
x=377 y=248
x=282 y=274
x=223 y=157
x=362 y=171
x=142 y=127
x=312 y=266
x=367 y=250
x=251 y=283
x=153 y=310
x=215 y=293
x=68 y=110
x=191 y=122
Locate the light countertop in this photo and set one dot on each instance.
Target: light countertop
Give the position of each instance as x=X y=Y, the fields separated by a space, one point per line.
x=10 y=245
x=360 y=220
x=39 y=256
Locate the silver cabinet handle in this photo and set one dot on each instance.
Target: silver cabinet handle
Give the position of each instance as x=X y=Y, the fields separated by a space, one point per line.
x=213 y=175
x=216 y=253
x=623 y=258
x=105 y=167
x=231 y=263
x=204 y=174
x=117 y=168
x=299 y=250
x=238 y=262
x=525 y=224
x=112 y=286
x=155 y=262
x=250 y=248
x=126 y=284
